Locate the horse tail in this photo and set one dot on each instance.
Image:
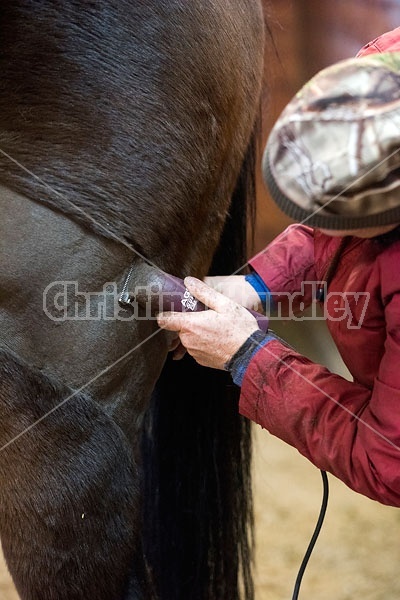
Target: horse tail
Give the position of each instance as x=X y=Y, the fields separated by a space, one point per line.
x=198 y=514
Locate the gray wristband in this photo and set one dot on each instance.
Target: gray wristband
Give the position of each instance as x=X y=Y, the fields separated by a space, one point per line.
x=239 y=362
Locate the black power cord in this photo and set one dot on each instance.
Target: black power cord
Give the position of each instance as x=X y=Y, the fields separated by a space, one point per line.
x=315 y=535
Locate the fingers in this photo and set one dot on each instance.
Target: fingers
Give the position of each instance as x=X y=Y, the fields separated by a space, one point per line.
x=182 y=322
x=172 y=321
x=179 y=352
x=210 y=337
x=237 y=288
x=218 y=282
x=208 y=295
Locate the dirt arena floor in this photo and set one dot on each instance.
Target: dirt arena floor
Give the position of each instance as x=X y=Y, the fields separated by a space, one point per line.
x=358 y=552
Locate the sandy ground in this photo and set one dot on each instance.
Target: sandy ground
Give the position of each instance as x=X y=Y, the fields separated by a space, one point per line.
x=358 y=551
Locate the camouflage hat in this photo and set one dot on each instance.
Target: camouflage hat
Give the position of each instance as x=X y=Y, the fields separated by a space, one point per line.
x=332 y=159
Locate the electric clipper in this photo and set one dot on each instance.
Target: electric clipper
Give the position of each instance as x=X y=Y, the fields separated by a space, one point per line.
x=166 y=293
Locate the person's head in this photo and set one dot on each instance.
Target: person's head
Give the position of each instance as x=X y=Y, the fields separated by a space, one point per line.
x=332 y=161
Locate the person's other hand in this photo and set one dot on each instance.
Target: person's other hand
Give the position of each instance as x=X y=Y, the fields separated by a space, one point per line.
x=236 y=288
x=212 y=337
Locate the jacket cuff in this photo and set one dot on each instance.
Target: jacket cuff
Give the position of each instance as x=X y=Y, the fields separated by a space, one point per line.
x=239 y=362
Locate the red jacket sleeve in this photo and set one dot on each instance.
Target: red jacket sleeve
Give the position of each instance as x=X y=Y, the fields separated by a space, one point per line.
x=340 y=426
x=286 y=263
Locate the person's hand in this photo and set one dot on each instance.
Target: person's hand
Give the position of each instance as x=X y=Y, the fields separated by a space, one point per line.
x=176 y=347
x=212 y=337
x=236 y=288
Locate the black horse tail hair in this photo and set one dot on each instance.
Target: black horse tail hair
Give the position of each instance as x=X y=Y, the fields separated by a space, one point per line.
x=198 y=512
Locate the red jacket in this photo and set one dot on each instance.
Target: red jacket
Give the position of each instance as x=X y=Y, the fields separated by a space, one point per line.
x=351 y=429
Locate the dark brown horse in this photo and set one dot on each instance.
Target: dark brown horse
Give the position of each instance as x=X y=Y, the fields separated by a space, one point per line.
x=123 y=127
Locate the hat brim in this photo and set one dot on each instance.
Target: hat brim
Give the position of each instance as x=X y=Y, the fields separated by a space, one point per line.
x=318 y=217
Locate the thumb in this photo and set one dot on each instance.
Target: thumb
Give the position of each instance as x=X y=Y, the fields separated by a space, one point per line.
x=206 y=294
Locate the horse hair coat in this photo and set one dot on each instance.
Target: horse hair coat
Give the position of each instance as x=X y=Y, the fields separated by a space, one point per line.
x=123 y=128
